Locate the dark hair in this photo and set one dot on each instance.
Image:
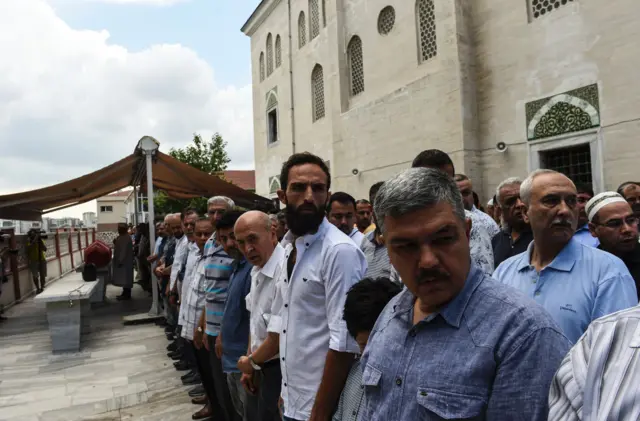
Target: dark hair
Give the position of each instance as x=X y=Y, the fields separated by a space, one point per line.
x=365 y=301
x=476 y=200
x=343 y=198
x=374 y=190
x=229 y=219
x=624 y=185
x=584 y=188
x=298 y=159
x=282 y=215
x=187 y=211
x=432 y=158
x=362 y=202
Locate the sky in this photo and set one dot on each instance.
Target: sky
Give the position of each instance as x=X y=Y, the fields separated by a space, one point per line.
x=83 y=80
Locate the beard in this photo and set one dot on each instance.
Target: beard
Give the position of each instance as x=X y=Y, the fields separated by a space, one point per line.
x=300 y=223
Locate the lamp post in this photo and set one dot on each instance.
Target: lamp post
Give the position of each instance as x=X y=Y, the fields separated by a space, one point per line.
x=149 y=147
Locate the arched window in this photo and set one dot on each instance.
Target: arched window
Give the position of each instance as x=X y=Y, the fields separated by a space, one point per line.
x=272 y=119
x=324 y=13
x=426 y=23
x=314 y=19
x=356 y=67
x=278 y=51
x=269 y=55
x=261 y=67
x=302 y=31
x=317 y=92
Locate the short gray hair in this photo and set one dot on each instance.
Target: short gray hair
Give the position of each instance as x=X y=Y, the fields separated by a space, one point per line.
x=215 y=199
x=527 y=184
x=508 y=182
x=415 y=189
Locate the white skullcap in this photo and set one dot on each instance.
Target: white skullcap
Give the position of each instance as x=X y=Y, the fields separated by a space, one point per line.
x=601 y=200
x=490 y=202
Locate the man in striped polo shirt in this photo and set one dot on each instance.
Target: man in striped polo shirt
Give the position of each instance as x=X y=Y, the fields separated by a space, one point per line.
x=217 y=271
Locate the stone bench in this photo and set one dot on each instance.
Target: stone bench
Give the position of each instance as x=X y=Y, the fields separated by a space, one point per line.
x=68 y=304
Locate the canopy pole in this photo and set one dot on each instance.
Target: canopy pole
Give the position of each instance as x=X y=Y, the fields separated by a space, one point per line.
x=149 y=148
x=135 y=206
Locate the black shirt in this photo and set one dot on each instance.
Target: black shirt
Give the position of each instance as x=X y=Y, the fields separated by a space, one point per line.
x=503 y=247
x=632 y=261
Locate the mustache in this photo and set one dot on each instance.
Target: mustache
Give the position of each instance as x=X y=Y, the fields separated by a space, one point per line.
x=430 y=275
x=559 y=222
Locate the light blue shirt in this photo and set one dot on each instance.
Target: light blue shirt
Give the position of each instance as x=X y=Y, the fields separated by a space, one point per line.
x=584 y=236
x=580 y=285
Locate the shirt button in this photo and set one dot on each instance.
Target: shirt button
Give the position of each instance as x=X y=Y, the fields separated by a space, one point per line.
x=412 y=333
x=537 y=293
x=285 y=385
x=354 y=413
x=399 y=381
x=423 y=393
x=282 y=358
x=284 y=331
x=286 y=305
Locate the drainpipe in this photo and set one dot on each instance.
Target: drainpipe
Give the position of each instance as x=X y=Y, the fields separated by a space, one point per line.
x=292 y=107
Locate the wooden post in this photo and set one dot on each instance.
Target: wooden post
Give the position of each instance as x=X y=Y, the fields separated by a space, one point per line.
x=58 y=256
x=13 y=264
x=71 y=248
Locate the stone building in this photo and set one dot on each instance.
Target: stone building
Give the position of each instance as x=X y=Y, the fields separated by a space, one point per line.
x=503 y=86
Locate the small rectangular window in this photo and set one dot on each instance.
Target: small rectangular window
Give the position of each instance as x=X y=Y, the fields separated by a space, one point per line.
x=272 y=125
x=574 y=162
x=106 y=208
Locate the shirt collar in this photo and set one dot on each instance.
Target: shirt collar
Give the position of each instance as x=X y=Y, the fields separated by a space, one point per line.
x=585 y=227
x=353 y=231
x=564 y=261
x=269 y=268
x=452 y=313
x=308 y=239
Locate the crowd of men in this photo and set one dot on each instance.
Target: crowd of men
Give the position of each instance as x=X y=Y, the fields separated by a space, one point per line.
x=410 y=304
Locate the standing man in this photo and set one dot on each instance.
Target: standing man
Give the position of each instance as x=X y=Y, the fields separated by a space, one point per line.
x=342 y=214
x=123 y=263
x=480 y=237
x=37 y=257
x=468 y=199
x=585 y=193
x=612 y=221
x=575 y=283
x=516 y=235
x=260 y=364
x=631 y=193
x=364 y=210
x=316 y=351
x=282 y=225
x=453 y=344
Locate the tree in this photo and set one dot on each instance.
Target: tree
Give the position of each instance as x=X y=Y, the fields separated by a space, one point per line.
x=208 y=156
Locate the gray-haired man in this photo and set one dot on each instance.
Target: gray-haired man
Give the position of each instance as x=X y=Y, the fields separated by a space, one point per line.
x=510 y=346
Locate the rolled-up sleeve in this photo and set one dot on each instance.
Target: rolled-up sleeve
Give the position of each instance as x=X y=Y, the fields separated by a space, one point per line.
x=345 y=266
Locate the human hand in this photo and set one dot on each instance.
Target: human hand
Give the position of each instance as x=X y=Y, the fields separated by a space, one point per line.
x=205 y=342
x=281 y=406
x=219 y=346
x=247 y=383
x=197 y=339
x=245 y=366
x=166 y=271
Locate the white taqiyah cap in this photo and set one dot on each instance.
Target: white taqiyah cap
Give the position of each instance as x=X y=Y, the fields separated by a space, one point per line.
x=601 y=200
x=490 y=202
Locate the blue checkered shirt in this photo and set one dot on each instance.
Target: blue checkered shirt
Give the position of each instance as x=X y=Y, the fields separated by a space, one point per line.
x=217 y=271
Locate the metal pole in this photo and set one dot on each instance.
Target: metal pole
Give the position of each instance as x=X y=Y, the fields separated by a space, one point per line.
x=152 y=229
x=135 y=205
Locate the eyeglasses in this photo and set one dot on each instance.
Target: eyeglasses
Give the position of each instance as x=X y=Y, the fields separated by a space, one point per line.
x=215 y=211
x=511 y=201
x=618 y=223
x=632 y=200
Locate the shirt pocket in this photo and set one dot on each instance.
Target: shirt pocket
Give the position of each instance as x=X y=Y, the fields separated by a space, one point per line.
x=371 y=376
x=448 y=405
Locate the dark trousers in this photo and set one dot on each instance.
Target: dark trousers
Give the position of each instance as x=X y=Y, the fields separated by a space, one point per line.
x=203 y=365
x=263 y=405
x=223 y=395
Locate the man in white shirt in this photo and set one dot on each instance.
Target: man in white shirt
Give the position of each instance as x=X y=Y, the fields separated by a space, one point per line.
x=256 y=238
x=342 y=214
x=316 y=350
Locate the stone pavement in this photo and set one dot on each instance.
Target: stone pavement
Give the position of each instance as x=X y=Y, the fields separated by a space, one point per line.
x=121 y=372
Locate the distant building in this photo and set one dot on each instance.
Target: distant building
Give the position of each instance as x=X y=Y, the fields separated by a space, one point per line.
x=241 y=178
x=89 y=219
x=112 y=210
x=131 y=208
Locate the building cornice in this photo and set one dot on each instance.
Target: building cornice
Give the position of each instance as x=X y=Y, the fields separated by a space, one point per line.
x=258 y=16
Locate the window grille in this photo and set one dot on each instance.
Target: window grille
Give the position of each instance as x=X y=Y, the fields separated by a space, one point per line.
x=302 y=31
x=261 y=67
x=540 y=8
x=386 y=20
x=269 y=55
x=425 y=12
x=574 y=162
x=314 y=19
x=317 y=90
x=278 y=51
x=356 y=68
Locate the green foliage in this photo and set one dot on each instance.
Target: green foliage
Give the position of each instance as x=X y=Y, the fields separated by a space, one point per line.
x=208 y=156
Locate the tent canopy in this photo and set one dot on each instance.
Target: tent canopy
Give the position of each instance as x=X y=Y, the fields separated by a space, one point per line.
x=177 y=179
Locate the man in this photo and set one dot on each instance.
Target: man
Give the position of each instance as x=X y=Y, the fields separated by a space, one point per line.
x=598 y=379
x=218 y=270
x=575 y=283
x=468 y=199
x=260 y=364
x=378 y=264
x=37 y=257
x=480 y=240
x=282 y=225
x=342 y=214
x=490 y=209
x=177 y=238
x=365 y=301
x=454 y=344
x=364 y=210
x=322 y=264
x=612 y=221
x=122 y=271
x=182 y=244
x=631 y=193
x=516 y=235
x=585 y=193
x=232 y=342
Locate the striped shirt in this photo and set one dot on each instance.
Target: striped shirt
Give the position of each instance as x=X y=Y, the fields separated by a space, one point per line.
x=378 y=263
x=599 y=378
x=217 y=271
x=194 y=298
x=193 y=254
x=352 y=396
x=178 y=260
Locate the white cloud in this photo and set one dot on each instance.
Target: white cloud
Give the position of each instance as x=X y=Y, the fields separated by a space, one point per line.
x=149 y=2
x=72 y=102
